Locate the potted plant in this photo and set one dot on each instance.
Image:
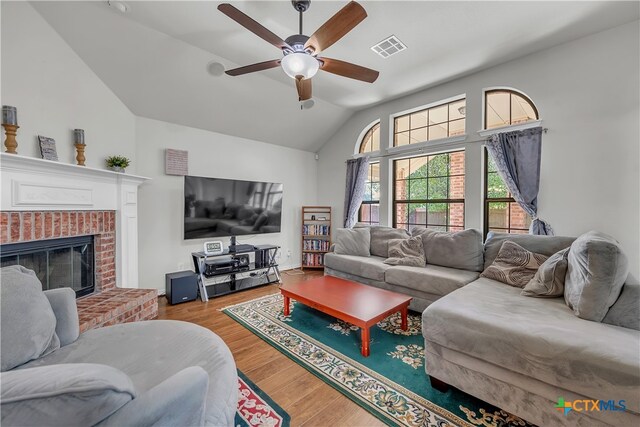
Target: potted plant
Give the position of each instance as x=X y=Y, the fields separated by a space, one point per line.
x=118 y=163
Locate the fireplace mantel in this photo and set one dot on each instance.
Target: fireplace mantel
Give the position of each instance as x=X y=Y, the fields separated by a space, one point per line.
x=30 y=184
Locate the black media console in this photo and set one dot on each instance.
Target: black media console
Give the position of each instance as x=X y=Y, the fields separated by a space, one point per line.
x=232 y=271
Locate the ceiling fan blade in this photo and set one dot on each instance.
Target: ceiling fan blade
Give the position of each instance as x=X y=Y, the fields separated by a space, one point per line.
x=252 y=25
x=254 y=67
x=304 y=88
x=336 y=27
x=347 y=69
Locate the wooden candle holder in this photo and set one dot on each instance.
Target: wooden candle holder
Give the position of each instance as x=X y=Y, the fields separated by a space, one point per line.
x=10 y=142
x=80 y=154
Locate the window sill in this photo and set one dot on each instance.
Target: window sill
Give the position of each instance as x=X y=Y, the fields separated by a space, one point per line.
x=510 y=128
x=421 y=145
x=372 y=155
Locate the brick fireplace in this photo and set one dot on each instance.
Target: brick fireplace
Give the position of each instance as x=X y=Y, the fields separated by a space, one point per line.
x=44 y=200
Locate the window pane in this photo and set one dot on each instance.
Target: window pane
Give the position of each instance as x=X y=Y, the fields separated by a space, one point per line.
x=438 y=131
x=405 y=226
x=402 y=190
x=419 y=119
x=402 y=213
x=402 y=168
x=519 y=218
x=439 y=165
x=375 y=191
x=456 y=215
x=418 y=135
x=418 y=167
x=456 y=187
x=401 y=124
x=438 y=114
x=401 y=139
x=418 y=213
x=438 y=188
x=365 y=147
x=496 y=188
x=456 y=163
x=374 y=174
x=375 y=138
x=375 y=213
x=491 y=164
x=418 y=189
x=498 y=215
x=456 y=127
x=497 y=109
x=438 y=213
x=521 y=110
x=365 y=213
x=457 y=109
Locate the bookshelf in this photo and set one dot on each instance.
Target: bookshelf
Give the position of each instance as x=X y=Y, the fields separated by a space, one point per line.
x=316 y=235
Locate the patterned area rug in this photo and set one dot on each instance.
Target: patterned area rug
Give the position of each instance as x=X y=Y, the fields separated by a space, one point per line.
x=391 y=383
x=255 y=407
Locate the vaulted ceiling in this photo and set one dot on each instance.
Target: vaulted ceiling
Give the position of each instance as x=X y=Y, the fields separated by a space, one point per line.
x=155 y=57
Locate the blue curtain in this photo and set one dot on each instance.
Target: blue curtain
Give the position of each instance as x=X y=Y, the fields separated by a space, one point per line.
x=517 y=159
x=357 y=172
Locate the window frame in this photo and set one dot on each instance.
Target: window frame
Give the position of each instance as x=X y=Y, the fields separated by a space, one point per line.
x=357 y=152
x=394 y=200
x=487 y=201
x=391 y=148
x=511 y=91
x=371 y=202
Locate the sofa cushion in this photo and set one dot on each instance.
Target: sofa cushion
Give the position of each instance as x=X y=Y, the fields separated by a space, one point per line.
x=433 y=279
x=625 y=311
x=371 y=267
x=406 y=252
x=380 y=237
x=597 y=270
x=71 y=394
x=352 y=241
x=544 y=245
x=549 y=279
x=27 y=320
x=514 y=265
x=462 y=249
x=538 y=338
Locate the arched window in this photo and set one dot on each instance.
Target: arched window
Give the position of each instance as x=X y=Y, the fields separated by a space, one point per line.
x=505 y=107
x=370 y=208
x=371 y=140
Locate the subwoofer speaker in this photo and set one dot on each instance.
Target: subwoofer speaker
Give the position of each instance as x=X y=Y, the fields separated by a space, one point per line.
x=181 y=287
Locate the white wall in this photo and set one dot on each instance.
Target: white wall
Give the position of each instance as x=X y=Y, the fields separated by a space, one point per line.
x=55 y=92
x=587 y=93
x=162 y=248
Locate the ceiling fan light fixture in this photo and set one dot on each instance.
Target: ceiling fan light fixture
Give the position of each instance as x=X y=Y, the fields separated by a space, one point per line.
x=300 y=64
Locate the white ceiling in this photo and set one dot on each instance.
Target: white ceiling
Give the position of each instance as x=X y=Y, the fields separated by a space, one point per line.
x=154 y=58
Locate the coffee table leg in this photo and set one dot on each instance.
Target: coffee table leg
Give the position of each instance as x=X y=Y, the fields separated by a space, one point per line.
x=404 y=325
x=286 y=305
x=365 y=342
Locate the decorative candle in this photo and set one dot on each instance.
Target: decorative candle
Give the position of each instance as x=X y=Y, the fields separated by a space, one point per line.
x=78 y=136
x=9 y=115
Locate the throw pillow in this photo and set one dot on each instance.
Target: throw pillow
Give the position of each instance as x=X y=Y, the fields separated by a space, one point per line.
x=549 y=279
x=514 y=265
x=27 y=319
x=381 y=236
x=352 y=241
x=406 y=252
x=64 y=394
x=597 y=271
x=462 y=249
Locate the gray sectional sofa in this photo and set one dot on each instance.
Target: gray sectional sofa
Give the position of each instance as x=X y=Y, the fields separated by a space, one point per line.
x=518 y=353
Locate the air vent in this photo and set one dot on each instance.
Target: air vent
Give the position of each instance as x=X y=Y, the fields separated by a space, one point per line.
x=389 y=46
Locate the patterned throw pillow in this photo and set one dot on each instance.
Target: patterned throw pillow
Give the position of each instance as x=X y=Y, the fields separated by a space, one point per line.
x=514 y=265
x=406 y=252
x=549 y=279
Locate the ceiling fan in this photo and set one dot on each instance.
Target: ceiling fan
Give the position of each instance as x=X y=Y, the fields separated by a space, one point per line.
x=301 y=61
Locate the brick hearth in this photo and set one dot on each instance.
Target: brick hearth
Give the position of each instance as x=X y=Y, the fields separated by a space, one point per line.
x=109 y=304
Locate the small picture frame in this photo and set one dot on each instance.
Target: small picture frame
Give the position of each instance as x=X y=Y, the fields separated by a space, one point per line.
x=313 y=217
x=322 y=218
x=48 y=148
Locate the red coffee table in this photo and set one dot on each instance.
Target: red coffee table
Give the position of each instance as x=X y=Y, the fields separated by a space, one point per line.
x=353 y=302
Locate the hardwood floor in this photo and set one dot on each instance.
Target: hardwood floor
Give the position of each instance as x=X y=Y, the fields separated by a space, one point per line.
x=309 y=400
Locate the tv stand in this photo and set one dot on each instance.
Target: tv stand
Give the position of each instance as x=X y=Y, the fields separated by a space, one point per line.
x=261 y=270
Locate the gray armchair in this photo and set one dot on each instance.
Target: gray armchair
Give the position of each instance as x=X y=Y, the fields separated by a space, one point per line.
x=152 y=373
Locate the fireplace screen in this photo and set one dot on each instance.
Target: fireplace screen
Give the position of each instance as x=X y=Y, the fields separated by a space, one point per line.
x=58 y=263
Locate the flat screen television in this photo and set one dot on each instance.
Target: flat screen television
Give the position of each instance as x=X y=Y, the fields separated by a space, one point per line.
x=216 y=207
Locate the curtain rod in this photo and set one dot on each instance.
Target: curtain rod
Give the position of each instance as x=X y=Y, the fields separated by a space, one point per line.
x=382 y=156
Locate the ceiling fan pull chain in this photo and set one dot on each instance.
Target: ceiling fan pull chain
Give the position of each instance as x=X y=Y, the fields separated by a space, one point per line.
x=301 y=12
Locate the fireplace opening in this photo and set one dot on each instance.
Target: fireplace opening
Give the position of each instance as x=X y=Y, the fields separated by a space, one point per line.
x=58 y=263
